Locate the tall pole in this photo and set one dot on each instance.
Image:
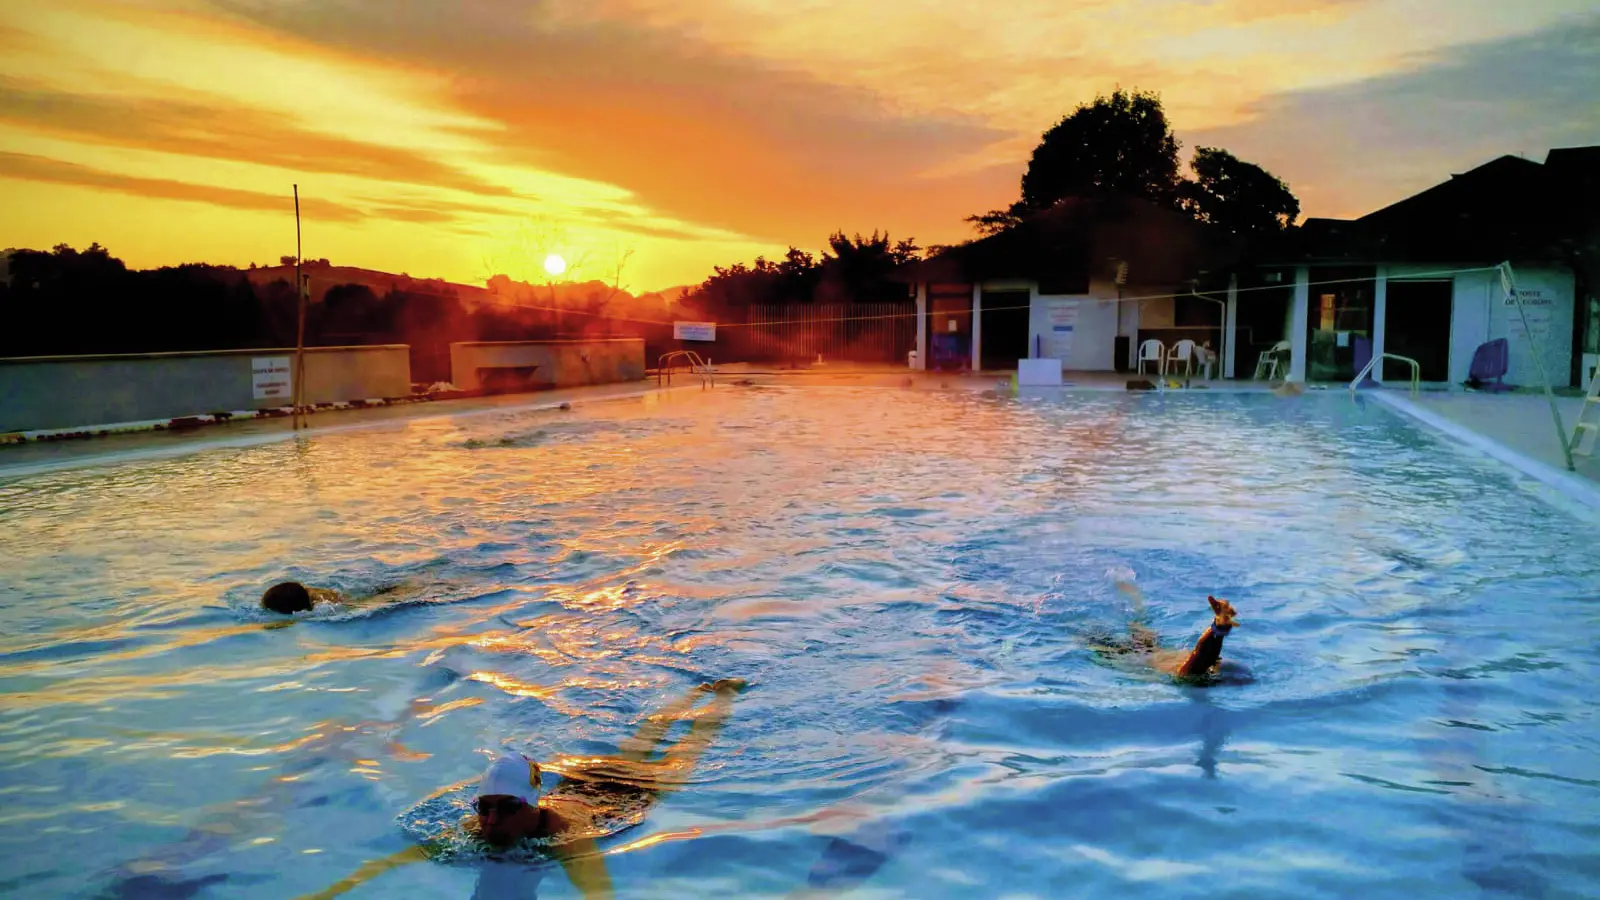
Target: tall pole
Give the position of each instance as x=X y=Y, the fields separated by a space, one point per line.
x=299 y=392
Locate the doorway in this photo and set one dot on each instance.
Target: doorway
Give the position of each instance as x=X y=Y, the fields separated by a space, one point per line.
x=1342 y=311
x=1260 y=323
x=1416 y=323
x=1005 y=329
x=949 y=327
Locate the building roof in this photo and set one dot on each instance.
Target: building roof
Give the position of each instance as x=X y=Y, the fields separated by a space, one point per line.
x=1507 y=208
x=1083 y=238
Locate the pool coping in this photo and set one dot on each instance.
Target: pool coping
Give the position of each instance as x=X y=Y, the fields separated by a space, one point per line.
x=1572 y=485
x=196 y=443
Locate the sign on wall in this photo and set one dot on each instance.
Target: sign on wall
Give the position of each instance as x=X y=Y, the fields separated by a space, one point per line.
x=270 y=378
x=694 y=331
x=1062 y=325
x=1536 y=305
x=1547 y=300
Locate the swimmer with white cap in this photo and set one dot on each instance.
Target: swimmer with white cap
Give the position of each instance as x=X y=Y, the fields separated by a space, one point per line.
x=595 y=793
x=508 y=801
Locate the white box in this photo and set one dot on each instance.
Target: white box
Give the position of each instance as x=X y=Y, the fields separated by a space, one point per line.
x=1038 y=372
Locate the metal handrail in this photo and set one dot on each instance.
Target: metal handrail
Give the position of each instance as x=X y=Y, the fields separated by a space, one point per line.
x=698 y=365
x=1416 y=371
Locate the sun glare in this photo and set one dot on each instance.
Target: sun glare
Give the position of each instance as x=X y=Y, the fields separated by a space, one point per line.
x=554 y=264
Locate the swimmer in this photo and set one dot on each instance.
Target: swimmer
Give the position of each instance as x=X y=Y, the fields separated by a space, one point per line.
x=290 y=597
x=595 y=793
x=1204 y=660
x=1287 y=389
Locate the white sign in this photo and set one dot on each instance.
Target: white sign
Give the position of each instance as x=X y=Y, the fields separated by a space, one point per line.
x=270 y=378
x=694 y=331
x=1536 y=305
x=1546 y=297
x=1063 y=325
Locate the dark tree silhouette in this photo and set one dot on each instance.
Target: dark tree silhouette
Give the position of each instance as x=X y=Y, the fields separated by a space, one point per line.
x=1237 y=195
x=1120 y=144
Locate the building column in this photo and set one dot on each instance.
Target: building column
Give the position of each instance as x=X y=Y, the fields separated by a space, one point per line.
x=1299 y=322
x=922 y=325
x=977 y=326
x=1035 y=330
x=1380 y=309
x=1230 y=326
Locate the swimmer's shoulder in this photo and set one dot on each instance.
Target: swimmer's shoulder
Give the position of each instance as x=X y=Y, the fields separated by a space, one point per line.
x=324 y=596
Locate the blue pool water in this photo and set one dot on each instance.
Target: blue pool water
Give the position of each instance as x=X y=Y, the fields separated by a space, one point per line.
x=907 y=579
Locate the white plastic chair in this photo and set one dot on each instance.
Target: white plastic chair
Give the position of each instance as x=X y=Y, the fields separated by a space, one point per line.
x=1153 y=351
x=1182 y=352
x=1270 y=360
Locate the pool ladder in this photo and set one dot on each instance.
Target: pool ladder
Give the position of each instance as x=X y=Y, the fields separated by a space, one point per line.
x=697 y=365
x=1586 y=431
x=1416 y=372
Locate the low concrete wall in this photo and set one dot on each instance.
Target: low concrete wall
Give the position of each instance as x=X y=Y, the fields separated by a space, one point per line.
x=48 y=392
x=541 y=365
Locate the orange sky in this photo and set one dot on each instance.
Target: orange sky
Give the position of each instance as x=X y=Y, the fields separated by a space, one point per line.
x=463 y=139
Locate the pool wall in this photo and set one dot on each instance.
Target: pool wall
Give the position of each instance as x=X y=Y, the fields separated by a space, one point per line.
x=533 y=365
x=59 y=392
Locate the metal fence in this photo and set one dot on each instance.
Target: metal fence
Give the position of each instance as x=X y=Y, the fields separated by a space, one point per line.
x=858 y=332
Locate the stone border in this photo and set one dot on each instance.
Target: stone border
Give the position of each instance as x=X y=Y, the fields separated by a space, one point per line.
x=189 y=423
x=1571 y=485
x=42 y=467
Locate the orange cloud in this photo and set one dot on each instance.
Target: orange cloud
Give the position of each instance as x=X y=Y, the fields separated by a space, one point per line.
x=213 y=128
x=39 y=168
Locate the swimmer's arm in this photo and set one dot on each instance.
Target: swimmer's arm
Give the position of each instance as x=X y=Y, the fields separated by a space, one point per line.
x=370 y=870
x=585 y=867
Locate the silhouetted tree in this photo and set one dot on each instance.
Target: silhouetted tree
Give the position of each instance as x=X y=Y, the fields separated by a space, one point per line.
x=1119 y=144
x=859 y=268
x=1237 y=195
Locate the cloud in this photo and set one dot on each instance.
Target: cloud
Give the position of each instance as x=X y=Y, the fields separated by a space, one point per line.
x=213 y=127
x=39 y=168
x=693 y=133
x=1353 y=149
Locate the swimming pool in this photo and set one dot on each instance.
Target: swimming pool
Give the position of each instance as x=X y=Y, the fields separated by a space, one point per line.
x=905 y=578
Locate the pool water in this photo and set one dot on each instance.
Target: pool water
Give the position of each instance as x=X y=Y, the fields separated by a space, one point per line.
x=908 y=579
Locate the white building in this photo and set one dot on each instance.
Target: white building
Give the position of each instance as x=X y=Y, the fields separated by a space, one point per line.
x=1082 y=283
x=1417 y=279
x=1087 y=281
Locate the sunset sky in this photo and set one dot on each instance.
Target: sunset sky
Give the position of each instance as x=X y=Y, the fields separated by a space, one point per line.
x=461 y=139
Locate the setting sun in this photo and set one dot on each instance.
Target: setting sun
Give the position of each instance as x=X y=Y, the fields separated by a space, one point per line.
x=554 y=264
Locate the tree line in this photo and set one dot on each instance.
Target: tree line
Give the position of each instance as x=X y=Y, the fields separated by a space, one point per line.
x=1121 y=144
x=65 y=301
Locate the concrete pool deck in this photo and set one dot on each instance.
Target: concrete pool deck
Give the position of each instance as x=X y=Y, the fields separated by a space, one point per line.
x=34 y=457
x=1514 y=428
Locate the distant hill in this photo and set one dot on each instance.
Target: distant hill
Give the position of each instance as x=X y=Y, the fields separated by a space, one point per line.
x=500 y=290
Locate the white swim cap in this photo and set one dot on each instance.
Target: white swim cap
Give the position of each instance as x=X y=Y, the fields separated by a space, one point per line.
x=512 y=775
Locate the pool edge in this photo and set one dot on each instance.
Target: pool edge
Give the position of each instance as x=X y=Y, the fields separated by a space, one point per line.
x=23 y=470
x=1572 y=485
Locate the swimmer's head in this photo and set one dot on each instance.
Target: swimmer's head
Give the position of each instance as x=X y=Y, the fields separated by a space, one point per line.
x=508 y=799
x=288 y=597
